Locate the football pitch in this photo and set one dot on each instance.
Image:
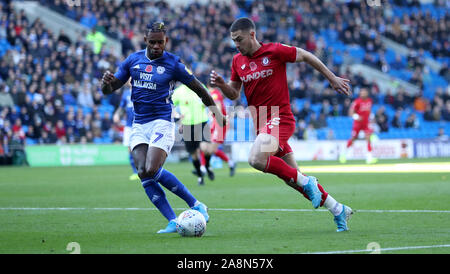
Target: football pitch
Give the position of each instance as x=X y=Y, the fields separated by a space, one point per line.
x=401 y=206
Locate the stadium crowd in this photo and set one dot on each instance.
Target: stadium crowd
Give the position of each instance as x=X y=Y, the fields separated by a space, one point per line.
x=49 y=84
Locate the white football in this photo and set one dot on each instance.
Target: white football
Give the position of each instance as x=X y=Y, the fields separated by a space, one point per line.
x=191 y=223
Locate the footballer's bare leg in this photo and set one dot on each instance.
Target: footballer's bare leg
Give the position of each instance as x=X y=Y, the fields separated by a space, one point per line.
x=265 y=145
x=148 y=160
x=139 y=154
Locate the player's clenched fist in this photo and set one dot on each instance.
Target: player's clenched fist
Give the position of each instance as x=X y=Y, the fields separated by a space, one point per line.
x=107 y=78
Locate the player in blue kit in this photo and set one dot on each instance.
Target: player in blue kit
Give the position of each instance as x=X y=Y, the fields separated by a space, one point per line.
x=126 y=106
x=153 y=73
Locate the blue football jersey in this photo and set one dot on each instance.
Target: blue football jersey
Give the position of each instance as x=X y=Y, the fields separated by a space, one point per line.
x=127 y=105
x=153 y=82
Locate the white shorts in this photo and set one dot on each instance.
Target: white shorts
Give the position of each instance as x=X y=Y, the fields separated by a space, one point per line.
x=158 y=133
x=126 y=136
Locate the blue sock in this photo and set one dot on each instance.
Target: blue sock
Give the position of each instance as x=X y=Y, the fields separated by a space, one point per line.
x=132 y=164
x=157 y=196
x=169 y=181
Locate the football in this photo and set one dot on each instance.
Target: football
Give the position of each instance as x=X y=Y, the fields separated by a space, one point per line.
x=191 y=223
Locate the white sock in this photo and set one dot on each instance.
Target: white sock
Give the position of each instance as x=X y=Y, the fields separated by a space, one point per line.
x=196 y=203
x=333 y=206
x=302 y=180
x=230 y=163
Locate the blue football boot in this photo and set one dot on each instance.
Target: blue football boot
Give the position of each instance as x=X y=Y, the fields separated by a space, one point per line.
x=312 y=190
x=203 y=209
x=171 y=228
x=342 y=219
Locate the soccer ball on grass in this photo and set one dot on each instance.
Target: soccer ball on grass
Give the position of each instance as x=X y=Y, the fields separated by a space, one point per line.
x=191 y=223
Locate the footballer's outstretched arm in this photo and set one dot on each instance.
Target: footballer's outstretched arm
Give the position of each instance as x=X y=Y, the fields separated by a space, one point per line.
x=110 y=83
x=232 y=90
x=338 y=84
x=196 y=86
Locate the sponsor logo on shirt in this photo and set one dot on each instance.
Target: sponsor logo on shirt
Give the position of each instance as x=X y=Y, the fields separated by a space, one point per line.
x=144 y=81
x=256 y=75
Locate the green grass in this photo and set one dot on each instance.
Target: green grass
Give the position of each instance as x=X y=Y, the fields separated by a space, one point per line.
x=91 y=192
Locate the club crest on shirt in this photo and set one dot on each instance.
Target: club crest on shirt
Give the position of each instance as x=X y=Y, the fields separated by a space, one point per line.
x=160 y=70
x=253 y=66
x=265 y=61
x=149 y=68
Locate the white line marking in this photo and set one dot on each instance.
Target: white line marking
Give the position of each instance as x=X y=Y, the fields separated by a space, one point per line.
x=230 y=209
x=381 y=249
x=436 y=167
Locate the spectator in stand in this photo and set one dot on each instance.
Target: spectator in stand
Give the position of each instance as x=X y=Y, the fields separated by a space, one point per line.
x=326 y=107
x=389 y=99
x=335 y=111
x=398 y=63
x=412 y=121
x=346 y=107
x=300 y=130
x=17 y=128
x=295 y=110
x=445 y=72
x=84 y=98
x=310 y=133
x=446 y=111
x=420 y=104
x=436 y=113
x=399 y=102
x=71 y=136
x=60 y=130
x=106 y=123
x=381 y=119
x=306 y=110
x=32 y=134
x=396 y=119
x=44 y=139
x=5 y=98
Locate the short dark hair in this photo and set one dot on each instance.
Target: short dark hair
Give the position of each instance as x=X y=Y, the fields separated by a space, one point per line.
x=156 y=26
x=243 y=23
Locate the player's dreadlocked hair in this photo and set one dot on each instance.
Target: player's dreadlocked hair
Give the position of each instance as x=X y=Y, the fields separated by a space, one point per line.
x=156 y=26
x=243 y=23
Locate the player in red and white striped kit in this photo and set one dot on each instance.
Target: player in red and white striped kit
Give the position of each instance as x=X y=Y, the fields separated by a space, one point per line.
x=261 y=69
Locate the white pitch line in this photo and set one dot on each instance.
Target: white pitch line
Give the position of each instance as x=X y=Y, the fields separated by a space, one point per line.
x=381 y=249
x=228 y=209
